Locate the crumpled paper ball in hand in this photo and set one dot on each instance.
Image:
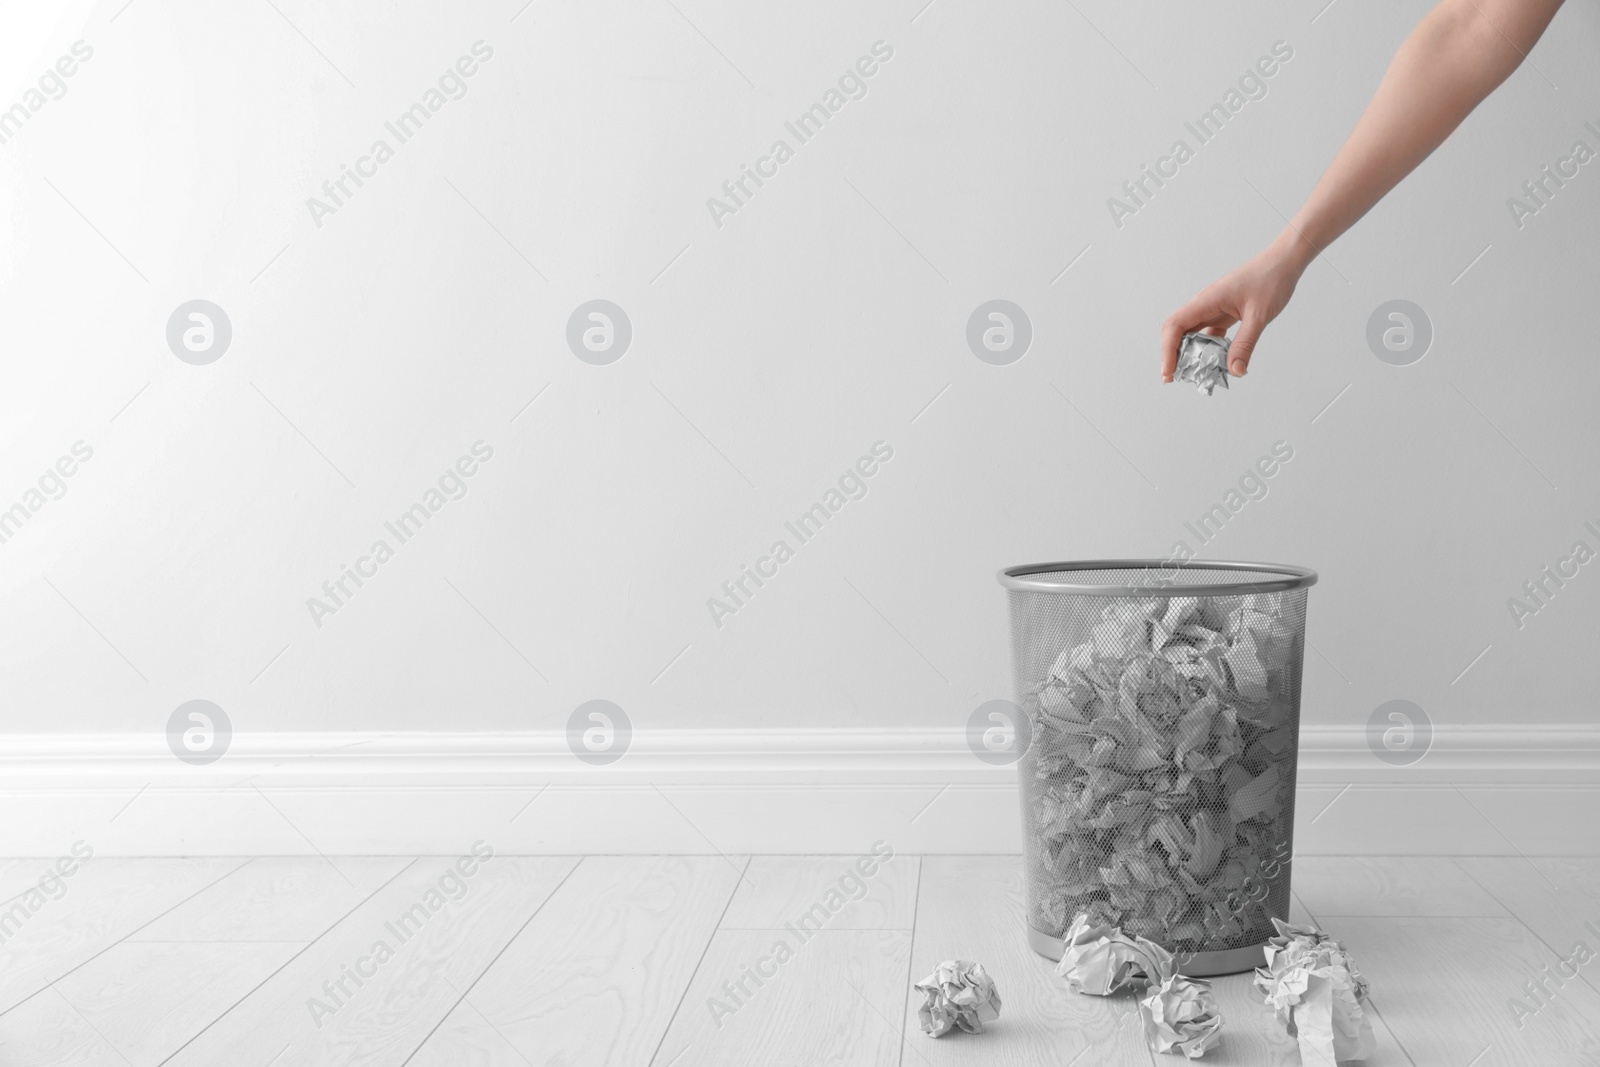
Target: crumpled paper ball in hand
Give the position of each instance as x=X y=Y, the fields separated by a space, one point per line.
x=1180 y=1015
x=958 y=993
x=1313 y=987
x=1203 y=360
x=1099 y=960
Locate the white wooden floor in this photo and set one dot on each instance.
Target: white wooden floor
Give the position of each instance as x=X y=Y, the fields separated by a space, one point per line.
x=611 y=960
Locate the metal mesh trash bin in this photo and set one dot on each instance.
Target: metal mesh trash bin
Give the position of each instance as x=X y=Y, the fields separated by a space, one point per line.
x=1158 y=787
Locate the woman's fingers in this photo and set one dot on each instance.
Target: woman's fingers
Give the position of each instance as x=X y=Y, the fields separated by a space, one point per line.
x=1191 y=316
x=1172 y=331
x=1203 y=313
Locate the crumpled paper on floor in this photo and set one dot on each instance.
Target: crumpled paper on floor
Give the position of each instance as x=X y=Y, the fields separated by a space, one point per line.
x=1101 y=959
x=959 y=993
x=1180 y=1015
x=1313 y=987
x=1203 y=360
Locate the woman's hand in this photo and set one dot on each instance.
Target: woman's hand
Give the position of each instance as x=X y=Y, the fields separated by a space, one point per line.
x=1455 y=57
x=1253 y=294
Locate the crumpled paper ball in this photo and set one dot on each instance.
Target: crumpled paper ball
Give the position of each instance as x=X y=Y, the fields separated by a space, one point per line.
x=1099 y=960
x=1180 y=1015
x=1318 y=996
x=1203 y=360
x=958 y=993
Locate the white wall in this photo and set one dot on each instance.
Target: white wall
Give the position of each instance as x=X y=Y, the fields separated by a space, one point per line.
x=372 y=351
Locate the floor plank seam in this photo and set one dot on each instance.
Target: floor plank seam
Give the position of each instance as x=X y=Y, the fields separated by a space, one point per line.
x=90 y=1024
x=1390 y=1030
x=737 y=882
x=304 y=949
x=911 y=962
x=474 y=983
x=51 y=983
x=1588 y=980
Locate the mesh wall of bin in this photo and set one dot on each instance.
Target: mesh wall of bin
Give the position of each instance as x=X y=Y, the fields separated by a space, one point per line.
x=1158 y=787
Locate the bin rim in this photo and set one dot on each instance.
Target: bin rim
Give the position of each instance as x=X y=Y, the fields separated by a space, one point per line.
x=1018 y=578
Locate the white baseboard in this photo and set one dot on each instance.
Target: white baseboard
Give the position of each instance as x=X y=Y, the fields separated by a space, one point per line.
x=1489 y=790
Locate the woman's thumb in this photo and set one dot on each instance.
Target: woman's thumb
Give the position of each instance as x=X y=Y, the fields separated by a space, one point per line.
x=1244 y=344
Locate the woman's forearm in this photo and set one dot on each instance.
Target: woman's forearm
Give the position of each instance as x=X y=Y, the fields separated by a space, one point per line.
x=1455 y=57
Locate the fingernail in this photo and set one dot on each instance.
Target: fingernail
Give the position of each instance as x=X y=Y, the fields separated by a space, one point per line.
x=1238 y=369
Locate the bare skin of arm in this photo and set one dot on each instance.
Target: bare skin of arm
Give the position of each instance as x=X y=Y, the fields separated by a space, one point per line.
x=1458 y=54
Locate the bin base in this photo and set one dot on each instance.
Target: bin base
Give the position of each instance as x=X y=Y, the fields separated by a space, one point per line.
x=1200 y=965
